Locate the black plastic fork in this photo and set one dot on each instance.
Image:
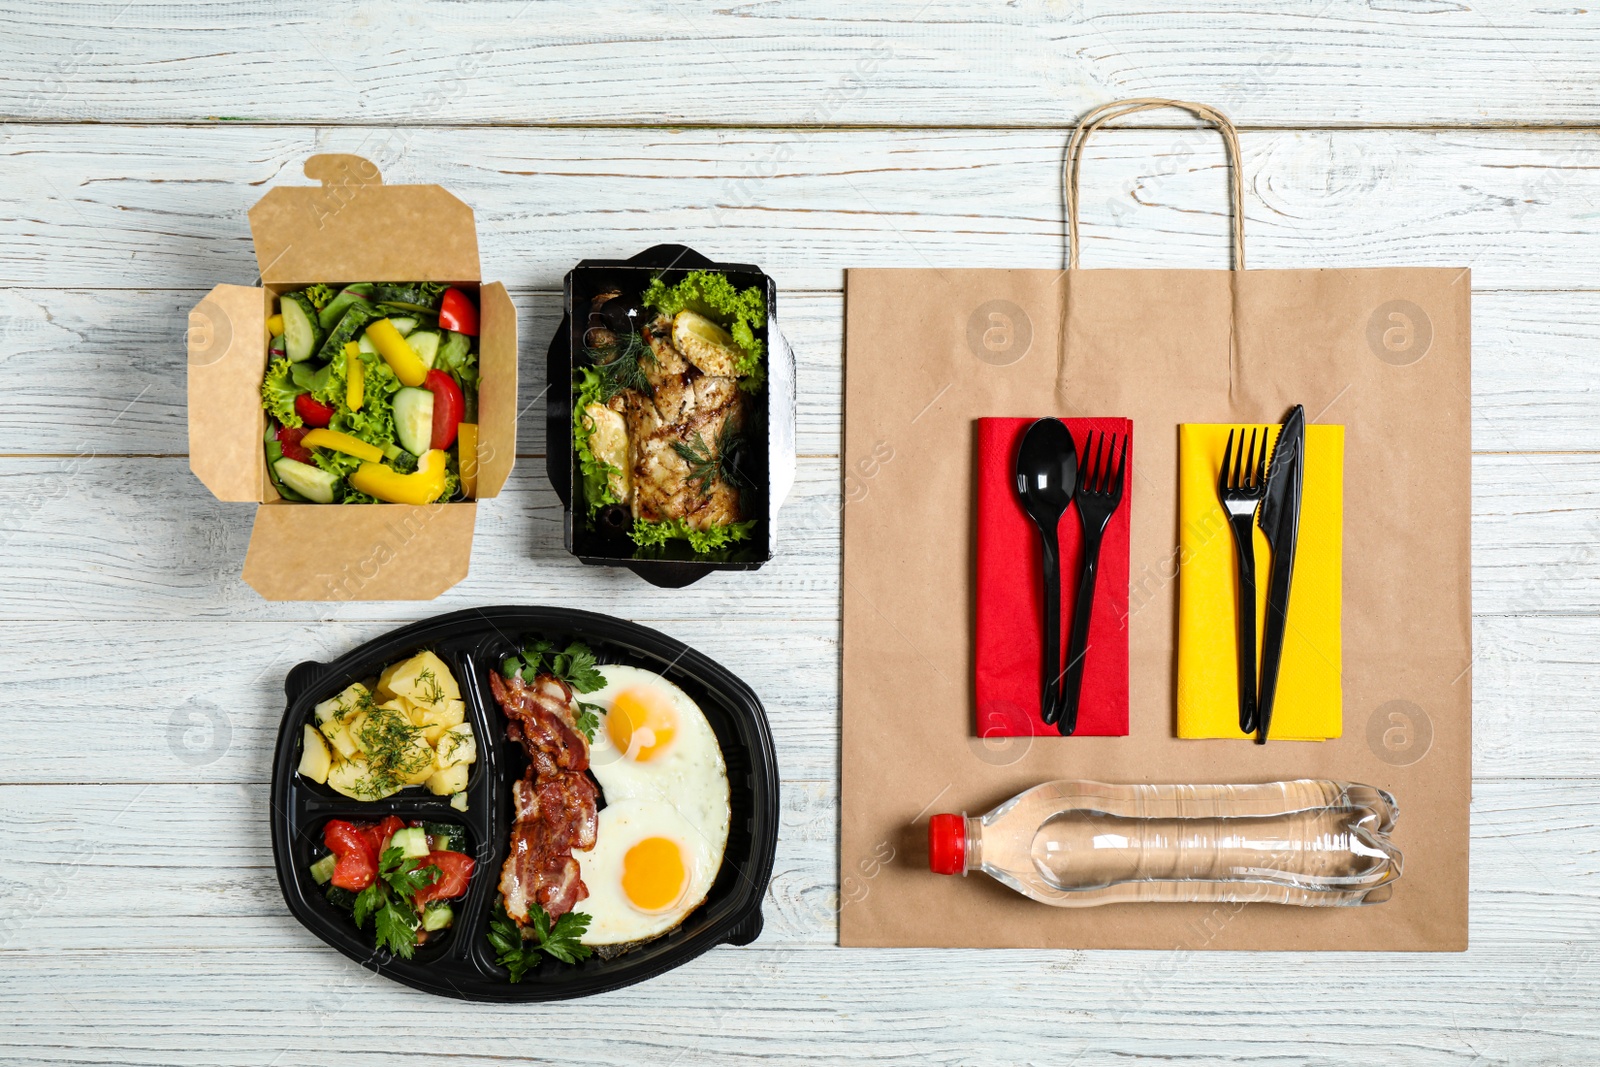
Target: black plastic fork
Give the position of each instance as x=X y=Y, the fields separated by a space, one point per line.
x=1098 y=496
x=1241 y=484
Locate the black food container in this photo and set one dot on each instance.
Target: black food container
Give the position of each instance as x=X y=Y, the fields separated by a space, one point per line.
x=603 y=541
x=461 y=963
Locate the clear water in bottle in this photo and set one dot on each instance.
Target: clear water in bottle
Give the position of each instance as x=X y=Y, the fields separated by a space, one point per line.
x=1309 y=842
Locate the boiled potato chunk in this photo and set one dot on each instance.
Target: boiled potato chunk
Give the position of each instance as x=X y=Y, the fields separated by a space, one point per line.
x=455 y=746
x=422 y=679
x=354 y=779
x=450 y=713
x=315 y=761
x=334 y=717
x=421 y=758
x=450 y=780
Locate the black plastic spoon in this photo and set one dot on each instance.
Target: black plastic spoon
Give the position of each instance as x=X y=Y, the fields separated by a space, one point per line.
x=1047 y=473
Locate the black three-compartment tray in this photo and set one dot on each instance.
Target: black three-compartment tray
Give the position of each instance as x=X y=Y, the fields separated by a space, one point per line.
x=473 y=643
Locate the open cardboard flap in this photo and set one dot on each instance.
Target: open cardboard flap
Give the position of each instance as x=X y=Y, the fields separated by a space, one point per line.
x=354 y=228
x=227 y=356
x=360 y=552
x=350 y=228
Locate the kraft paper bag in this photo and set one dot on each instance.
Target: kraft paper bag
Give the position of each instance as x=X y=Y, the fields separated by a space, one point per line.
x=1385 y=352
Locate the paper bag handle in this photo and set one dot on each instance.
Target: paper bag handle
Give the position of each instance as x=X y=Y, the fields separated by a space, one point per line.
x=1106 y=113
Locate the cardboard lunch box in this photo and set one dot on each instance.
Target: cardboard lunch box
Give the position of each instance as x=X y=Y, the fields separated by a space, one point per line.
x=350 y=228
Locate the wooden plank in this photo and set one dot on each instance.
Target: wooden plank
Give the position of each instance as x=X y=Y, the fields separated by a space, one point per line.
x=102 y=370
x=179 y=711
x=814 y=61
x=183 y=914
x=132 y=207
x=117 y=538
x=92 y=538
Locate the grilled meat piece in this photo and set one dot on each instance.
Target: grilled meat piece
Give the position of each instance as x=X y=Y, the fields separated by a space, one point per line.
x=688 y=408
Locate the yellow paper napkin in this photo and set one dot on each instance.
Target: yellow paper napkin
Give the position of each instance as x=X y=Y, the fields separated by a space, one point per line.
x=1309 y=700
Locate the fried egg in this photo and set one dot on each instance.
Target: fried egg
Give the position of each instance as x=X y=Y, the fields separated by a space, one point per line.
x=649 y=868
x=664 y=828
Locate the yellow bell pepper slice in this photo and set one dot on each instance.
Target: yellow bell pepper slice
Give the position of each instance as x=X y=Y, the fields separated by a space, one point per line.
x=467 y=442
x=401 y=357
x=385 y=483
x=275 y=325
x=355 y=374
x=343 y=442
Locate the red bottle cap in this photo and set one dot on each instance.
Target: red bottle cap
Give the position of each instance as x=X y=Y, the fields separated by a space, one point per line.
x=947 y=844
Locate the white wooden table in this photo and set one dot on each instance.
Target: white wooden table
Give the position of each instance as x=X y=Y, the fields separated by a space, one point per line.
x=140 y=922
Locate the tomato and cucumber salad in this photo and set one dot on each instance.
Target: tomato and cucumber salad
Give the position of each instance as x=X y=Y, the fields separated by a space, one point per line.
x=372 y=393
x=399 y=876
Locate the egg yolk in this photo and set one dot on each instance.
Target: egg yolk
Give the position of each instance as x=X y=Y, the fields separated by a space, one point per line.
x=641 y=724
x=654 y=874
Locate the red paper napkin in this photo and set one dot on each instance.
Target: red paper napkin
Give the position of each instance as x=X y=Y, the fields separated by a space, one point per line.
x=1010 y=625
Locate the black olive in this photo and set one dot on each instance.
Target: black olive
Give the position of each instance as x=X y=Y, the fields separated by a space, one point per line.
x=615 y=518
x=623 y=316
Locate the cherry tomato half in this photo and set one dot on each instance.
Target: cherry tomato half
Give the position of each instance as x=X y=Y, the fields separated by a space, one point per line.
x=289 y=440
x=357 y=864
x=456 y=312
x=448 y=406
x=313 y=412
x=455 y=870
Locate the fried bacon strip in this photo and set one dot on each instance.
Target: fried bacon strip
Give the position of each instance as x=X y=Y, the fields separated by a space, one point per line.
x=554 y=805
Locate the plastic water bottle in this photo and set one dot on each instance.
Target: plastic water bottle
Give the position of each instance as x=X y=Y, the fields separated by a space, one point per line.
x=1310 y=842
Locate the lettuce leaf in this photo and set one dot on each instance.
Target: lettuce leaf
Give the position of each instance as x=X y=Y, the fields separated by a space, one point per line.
x=595 y=471
x=456 y=356
x=278 y=391
x=648 y=534
x=740 y=313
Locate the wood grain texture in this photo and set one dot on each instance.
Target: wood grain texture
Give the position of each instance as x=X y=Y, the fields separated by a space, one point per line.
x=140 y=680
x=133 y=207
x=808 y=62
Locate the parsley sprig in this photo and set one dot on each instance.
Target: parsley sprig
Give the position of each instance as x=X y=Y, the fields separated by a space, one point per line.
x=519 y=954
x=576 y=665
x=390 y=901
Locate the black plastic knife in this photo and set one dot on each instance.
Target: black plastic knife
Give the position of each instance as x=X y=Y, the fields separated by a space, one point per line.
x=1279 y=520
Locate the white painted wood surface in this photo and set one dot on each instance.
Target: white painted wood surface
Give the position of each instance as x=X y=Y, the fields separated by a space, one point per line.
x=140 y=679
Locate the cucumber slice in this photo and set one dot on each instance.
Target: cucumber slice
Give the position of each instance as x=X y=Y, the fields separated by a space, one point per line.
x=412 y=842
x=437 y=916
x=403 y=324
x=301 y=331
x=446 y=838
x=322 y=870
x=313 y=483
x=339 y=304
x=425 y=343
x=413 y=419
x=351 y=324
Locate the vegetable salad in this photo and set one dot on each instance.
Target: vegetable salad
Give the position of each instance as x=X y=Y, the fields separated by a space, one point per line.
x=372 y=393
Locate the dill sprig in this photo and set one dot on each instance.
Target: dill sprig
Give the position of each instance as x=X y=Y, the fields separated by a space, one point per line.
x=706 y=462
x=621 y=366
